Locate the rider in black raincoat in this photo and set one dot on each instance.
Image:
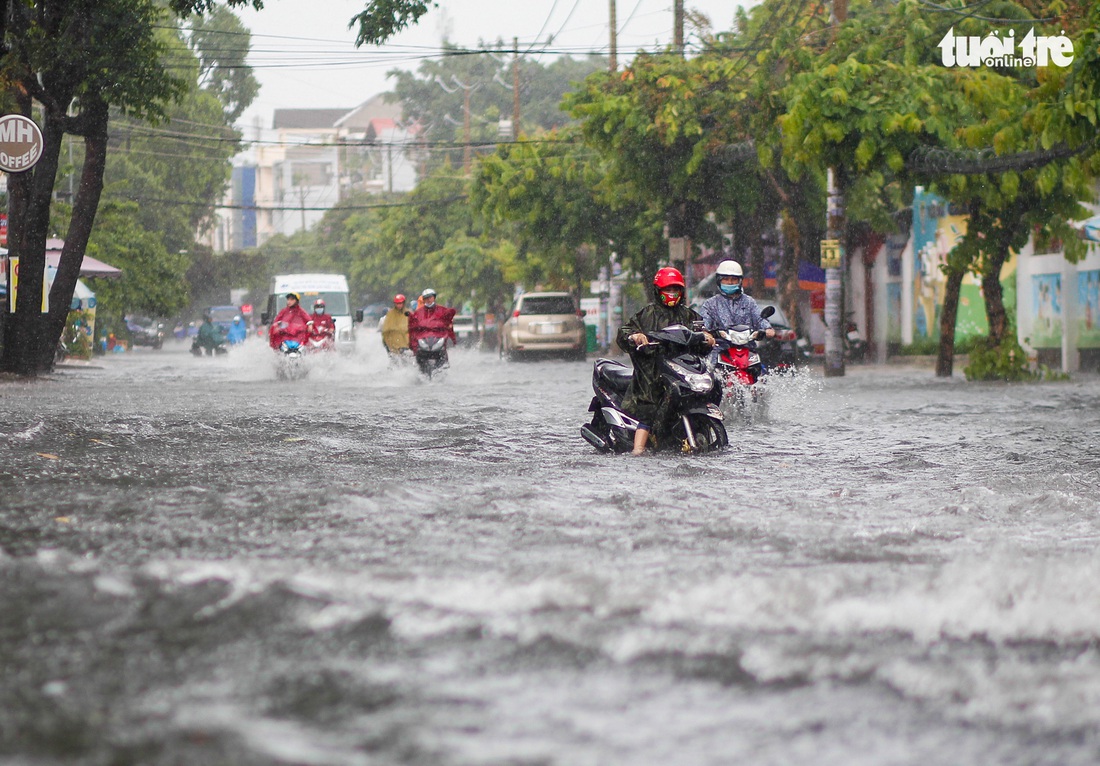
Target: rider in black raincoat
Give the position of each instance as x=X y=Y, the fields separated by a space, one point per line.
x=643 y=397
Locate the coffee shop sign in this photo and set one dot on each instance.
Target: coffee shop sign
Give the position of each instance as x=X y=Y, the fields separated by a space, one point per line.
x=20 y=143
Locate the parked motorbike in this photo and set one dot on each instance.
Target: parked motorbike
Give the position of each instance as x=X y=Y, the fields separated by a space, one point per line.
x=855 y=347
x=291 y=364
x=786 y=351
x=431 y=354
x=689 y=417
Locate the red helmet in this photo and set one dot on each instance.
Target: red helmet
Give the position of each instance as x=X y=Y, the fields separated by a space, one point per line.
x=667 y=277
x=399 y=298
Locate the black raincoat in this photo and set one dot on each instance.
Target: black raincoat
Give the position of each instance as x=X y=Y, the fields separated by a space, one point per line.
x=643 y=397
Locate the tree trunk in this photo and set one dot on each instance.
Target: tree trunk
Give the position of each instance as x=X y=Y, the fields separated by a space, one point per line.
x=994 y=297
x=756 y=259
x=786 y=281
x=27 y=336
x=85 y=205
x=946 y=360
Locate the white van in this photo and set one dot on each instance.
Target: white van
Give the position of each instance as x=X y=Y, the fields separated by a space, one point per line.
x=331 y=288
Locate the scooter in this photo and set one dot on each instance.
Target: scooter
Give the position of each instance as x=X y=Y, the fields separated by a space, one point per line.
x=320 y=343
x=431 y=354
x=741 y=371
x=291 y=364
x=199 y=350
x=690 y=420
x=742 y=374
x=855 y=347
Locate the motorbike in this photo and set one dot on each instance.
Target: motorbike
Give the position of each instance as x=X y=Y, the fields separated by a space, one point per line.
x=689 y=419
x=741 y=370
x=741 y=373
x=855 y=347
x=198 y=350
x=431 y=354
x=320 y=343
x=786 y=351
x=291 y=364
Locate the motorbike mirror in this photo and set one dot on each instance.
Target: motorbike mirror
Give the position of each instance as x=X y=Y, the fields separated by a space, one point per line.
x=265 y=318
x=768 y=311
x=359 y=315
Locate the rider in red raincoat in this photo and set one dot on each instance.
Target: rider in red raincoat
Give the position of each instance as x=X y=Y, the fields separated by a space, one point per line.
x=321 y=325
x=292 y=323
x=431 y=320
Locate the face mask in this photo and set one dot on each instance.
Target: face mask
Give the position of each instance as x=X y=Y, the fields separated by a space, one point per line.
x=670 y=297
x=318 y=311
x=730 y=290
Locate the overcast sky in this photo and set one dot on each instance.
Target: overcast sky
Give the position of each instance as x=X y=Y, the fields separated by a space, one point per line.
x=304 y=57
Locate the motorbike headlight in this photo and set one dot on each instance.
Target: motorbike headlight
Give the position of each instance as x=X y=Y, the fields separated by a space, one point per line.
x=700 y=383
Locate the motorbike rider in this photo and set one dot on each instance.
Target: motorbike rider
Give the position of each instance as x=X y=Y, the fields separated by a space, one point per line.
x=731 y=306
x=431 y=319
x=321 y=325
x=644 y=395
x=292 y=323
x=395 y=326
x=237 y=331
x=209 y=337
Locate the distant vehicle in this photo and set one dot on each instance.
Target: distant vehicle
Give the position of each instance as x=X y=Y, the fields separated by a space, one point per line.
x=222 y=316
x=466 y=330
x=544 y=323
x=332 y=288
x=145 y=331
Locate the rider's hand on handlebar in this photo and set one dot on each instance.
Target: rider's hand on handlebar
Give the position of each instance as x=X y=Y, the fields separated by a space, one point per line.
x=639 y=339
x=709 y=338
x=770 y=332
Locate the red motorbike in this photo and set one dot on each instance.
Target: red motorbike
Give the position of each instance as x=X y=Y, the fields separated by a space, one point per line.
x=740 y=370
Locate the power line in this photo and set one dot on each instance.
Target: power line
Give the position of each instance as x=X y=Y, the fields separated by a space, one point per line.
x=294 y=208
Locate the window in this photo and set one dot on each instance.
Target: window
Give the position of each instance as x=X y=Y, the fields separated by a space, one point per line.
x=547 y=304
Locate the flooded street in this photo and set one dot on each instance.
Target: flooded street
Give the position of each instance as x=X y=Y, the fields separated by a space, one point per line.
x=201 y=564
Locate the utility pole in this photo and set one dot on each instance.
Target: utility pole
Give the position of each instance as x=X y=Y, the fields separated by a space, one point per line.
x=466 y=90
x=515 y=88
x=466 y=127
x=613 y=64
x=678 y=26
x=832 y=253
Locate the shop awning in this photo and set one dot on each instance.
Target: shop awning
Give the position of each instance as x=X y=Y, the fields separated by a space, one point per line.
x=89 y=267
x=1090 y=228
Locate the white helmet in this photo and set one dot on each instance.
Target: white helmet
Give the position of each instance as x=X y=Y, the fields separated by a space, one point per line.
x=427 y=293
x=729 y=269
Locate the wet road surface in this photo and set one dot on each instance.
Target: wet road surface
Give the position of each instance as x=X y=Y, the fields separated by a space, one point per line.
x=202 y=564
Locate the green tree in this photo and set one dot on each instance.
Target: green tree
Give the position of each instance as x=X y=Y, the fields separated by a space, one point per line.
x=221 y=43
x=71 y=62
x=551 y=191
x=153 y=279
x=434 y=97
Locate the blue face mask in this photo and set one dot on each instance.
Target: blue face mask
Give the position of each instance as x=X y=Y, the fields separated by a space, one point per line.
x=730 y=290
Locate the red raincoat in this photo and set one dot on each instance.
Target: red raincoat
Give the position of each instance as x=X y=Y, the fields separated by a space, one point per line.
x=291 y=324
x=322 y=326
x=435 y=321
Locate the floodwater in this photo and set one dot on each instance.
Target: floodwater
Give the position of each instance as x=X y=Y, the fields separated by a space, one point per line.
x=202 y=564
